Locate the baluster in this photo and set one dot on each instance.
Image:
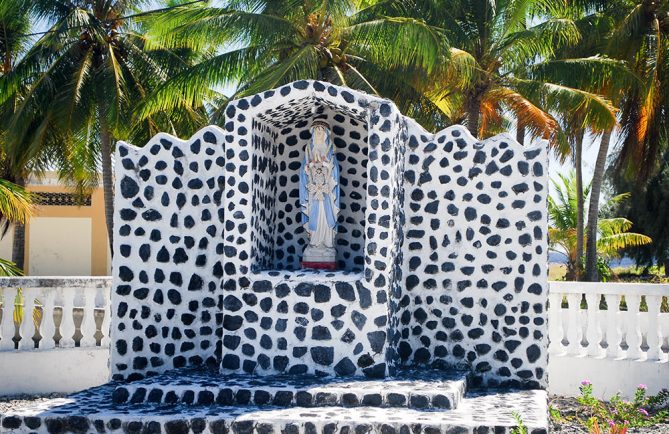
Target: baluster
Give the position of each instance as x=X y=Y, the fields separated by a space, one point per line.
x=88 y=327
x=67 y=323
x=555 y=329
x=593 y=332
x=653 y=333
x=7 y=326
x=104 y=297
x=47 y=328
x=613 y=334
x=633 y=333
x=27 y=327
x=574 y=330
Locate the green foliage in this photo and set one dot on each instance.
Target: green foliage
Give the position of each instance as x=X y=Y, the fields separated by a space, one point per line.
x=374 y=46
x=648 y=208
x=612 y=234
x=9 y=269
x=80 y=81
x=641 y=411
x=511 y=58
x=603 y=270
x=520 y=427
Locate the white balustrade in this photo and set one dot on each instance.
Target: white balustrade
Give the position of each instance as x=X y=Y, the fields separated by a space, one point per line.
x=53 y=307
x=598 y=328
x=611 y=331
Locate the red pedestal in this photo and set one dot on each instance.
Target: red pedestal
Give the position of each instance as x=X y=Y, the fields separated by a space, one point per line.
x=320 y=265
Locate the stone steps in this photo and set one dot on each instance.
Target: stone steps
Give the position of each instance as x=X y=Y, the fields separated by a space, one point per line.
x=92 y=411
x=411 y=389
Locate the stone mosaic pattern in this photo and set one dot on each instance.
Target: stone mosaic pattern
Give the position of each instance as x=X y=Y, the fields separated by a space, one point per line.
x=316 y=322
x=474 y=258
x=355 y=336
x=92 y=411
x=168 y=254
x=447 y=238
x=413 y=389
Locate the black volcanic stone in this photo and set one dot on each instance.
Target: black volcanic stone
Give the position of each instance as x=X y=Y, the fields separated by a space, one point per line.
x=419 y=401
x=320 y=333
x=321 y=294
x=345 y=291
x=151 y=215
x=364 y=296
x=129 y=187
x=283 y=398
x=304 y=289
x=176 y=427
x=377 y=340
x=303 y=399
x=322 y=355
x=350 y=399
x=345 y=367
x=396 y=399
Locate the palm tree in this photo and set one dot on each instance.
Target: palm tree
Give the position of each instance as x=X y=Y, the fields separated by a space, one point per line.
x=14 y=25
x=639 y=38
x=82 y=78
x=612 y=235
x=368 y=45
x=502 y=63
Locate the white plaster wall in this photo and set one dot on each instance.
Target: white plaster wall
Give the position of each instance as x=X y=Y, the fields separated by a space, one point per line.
x=61 y=370
x=608 y=376
x=60 y=246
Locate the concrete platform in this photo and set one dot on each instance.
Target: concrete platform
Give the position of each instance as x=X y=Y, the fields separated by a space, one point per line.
x=92 y=411
x=410 y=389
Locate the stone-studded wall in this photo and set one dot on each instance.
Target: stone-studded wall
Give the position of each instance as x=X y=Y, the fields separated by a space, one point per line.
x=314 y=322
x=369 y=211
x=446 y=236
x=168 y=248
x=475 y=255
x=264 y=166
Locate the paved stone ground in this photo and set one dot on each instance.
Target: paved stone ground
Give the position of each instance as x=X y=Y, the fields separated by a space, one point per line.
x=93 y=410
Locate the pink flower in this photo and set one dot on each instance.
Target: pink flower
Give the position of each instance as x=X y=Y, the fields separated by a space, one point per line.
x=586 y=383
x=642 y=387
x=643 y=411
x=611 y=423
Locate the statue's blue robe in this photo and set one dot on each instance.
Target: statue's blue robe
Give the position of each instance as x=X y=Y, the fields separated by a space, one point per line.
x=312 y=218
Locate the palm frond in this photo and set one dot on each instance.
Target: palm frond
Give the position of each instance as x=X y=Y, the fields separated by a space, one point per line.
x=16 y=204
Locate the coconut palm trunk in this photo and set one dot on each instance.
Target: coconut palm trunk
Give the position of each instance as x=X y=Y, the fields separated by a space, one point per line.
x=520 y=133
x=107 y=181
x=578 y=162
x=473 y=115
x=591 y=273
x=19 y=242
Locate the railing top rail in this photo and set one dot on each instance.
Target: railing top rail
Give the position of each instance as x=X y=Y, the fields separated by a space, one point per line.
x=612 y=288
x=56 y=281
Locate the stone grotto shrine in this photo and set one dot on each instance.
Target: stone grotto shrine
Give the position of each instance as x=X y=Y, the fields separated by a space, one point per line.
x=434 y=320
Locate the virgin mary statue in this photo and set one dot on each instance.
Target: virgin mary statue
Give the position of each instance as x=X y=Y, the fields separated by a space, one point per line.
x=319 y=198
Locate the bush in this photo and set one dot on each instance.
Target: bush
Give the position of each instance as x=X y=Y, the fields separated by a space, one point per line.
x=616 y=414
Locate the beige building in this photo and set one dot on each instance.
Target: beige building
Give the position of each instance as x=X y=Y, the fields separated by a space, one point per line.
x=65 y=237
